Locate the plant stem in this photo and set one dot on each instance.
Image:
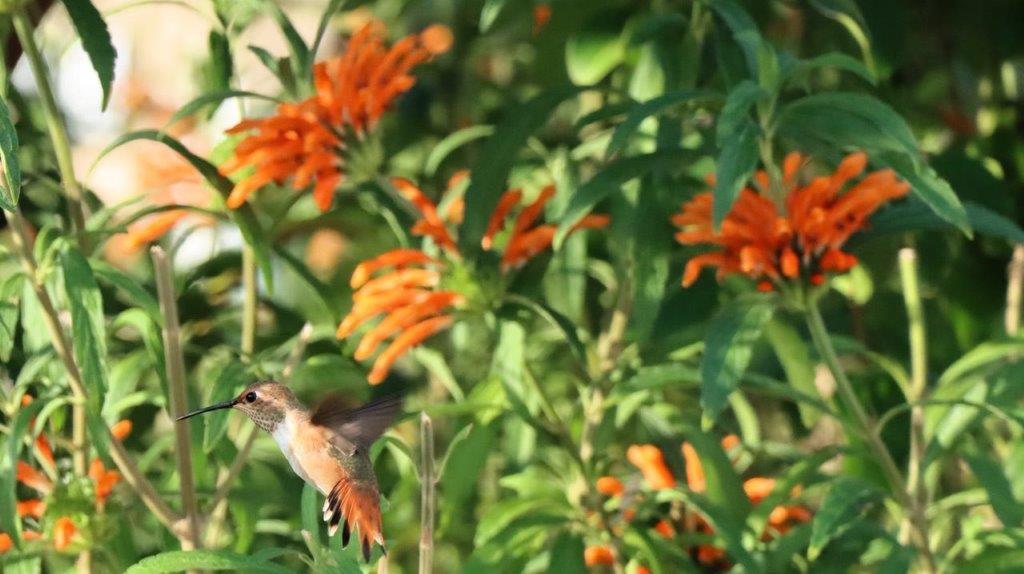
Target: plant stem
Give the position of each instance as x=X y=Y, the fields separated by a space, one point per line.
x=249 y=302
x=62 y=149
x=54 y=121
x=428 y=494
x=1013 y=292
x=820 y=336
x=179 y=394
x=918 y=383
x=132 y=475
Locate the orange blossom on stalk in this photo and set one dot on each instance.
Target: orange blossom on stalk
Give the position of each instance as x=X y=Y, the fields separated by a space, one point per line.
x=306 y=141
x=418 y=292
x=803 y=243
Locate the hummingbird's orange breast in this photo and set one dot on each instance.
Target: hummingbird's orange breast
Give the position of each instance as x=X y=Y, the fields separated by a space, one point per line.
x=309 y=451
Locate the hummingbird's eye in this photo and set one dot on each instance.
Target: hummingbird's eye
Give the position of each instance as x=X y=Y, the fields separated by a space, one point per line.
x=250 y=397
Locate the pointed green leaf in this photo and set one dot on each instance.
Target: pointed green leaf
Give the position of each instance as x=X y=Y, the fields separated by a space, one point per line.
x=736 y=164
x=11 y=188
x=990 y=474
x=847 y=500
x=92 y=30
x=652 y=107
x=728 y=347
x=183 y=560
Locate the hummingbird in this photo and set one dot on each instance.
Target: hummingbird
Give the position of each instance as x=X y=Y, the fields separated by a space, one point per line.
x=328 y=448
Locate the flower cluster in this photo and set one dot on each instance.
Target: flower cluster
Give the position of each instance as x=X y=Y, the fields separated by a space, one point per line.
x=305 y=141
x=409 y=285
x=63 y=528
x=650 y=461
x=805 y=242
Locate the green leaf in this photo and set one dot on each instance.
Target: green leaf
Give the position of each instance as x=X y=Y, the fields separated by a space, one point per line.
x=592 y=55
x=452 y=142
x=8 y=326
x=300 y=51
x=311 y=514
x=994 y=560
x=499 y=153
x=983 y=355
x=1000 y=493
x=95 y=41
x=735 y=113
x=333 y=7
x=137 y=293
x=567 y=555
x=611 y=179
x=640 y=112
x=19 y=429
x=557 y=320
x=723 y=523
x=724 y=487
x=728 y=347
x=802 y=68
x=88 y=335
x=11 y=188
x=849 y=16
x=509 y=365
x=244 y=217
x=848 y=120
x=795 y=358
x=225 y=380
x=916 y=215
x=182 y=560
x=736 y=164
x=331 y=301
x=490 y=12
x=847 y=500
x=205 y=100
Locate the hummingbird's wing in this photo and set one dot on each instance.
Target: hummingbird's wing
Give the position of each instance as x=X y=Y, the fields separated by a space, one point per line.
x=359 y=427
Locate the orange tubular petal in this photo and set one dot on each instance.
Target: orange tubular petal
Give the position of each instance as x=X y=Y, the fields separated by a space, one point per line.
x=121 y=429
x=598 y=556
x=508 y=200
x=524 y=246
x=610 y=486
x=729 y=442
x=153 y=227
x=437 y=39
x=409 y=338
x=404 y=318
x=694 y=469
x=790 y=263
x=32 y=507
x=400 y=279
x=368 y=307
x=530 y=213
x=593 y=221
x=5 y=542
x=63 y=531
x=649 y=460
x=665 y=529
x=393 y=258
x=44 y=450
x=758 y=488
x=32 y=478
x=541 y=16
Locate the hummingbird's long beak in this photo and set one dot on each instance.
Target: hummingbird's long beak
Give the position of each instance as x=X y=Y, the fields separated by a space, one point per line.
x=216 y=407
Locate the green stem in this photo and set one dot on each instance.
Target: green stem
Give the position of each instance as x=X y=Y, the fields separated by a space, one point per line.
x=249 y=302
x=820 y=336
x=918 y=383
x=179 y=395
x=428 y=496
x=54 y=120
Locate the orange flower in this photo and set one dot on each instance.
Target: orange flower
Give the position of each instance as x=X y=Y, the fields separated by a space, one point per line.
x=32 y=478
x=598 y=556
x=63 y=531
x=610 y=486
x=103 y=480
x=32 y=507
x=404 y=283
x=665 y=528
x=694 y=469
x=121 y=429
x=295 y=143
x=541 y=16
x=757 y=241
x=303 y=141
x=5 y=542
x=649 y=460
x=152 y=227
x=356 y=88
x=758 y=488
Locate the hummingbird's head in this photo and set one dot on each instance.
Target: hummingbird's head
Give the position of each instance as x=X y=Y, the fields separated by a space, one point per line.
x=265 y=402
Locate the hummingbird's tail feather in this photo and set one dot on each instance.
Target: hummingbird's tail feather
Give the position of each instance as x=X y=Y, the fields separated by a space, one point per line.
x=352 y=507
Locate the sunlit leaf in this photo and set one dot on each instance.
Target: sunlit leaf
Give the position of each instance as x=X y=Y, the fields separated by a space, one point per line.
x=92 y=30
x=182 y=560
x=728 y=347
x=11 y=188
x=847 y=500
